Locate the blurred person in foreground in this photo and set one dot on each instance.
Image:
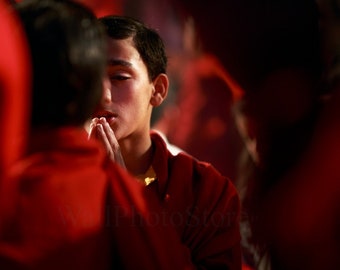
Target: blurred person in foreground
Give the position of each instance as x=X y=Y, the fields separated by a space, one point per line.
x=64 y=205
x=307 y=216
x=14 y=87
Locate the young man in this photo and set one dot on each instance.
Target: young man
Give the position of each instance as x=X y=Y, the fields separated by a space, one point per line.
x=64 y=205
x=197 y=200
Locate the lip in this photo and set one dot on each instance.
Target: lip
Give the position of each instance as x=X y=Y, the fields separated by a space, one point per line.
x=109 y=116
x=111 y=120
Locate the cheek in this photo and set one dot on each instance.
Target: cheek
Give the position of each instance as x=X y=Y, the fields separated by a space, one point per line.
x=140 y=96
x=121 y=93
x=128 y=103
x=134 y=97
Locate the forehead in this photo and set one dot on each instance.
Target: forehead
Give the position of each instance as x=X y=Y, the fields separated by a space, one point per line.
x=122 y=55
x=122 y=49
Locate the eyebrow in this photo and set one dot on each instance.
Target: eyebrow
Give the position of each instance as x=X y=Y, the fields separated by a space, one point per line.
x=118 y=62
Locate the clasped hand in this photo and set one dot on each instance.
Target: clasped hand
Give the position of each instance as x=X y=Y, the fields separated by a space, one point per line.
x=101 y=130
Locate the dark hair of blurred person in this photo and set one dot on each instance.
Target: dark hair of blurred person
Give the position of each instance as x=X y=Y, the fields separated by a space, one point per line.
x=68 y=64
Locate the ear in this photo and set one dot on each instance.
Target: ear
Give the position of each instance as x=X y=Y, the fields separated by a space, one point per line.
x=160 y=90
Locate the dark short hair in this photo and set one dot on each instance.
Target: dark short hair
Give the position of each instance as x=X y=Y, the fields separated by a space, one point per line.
x=147 y=41
x=68 y=48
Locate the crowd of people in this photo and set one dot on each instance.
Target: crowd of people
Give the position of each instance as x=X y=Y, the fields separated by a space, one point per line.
x=243 y=176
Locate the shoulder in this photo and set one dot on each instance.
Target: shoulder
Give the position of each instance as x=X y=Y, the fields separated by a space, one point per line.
x=209 y=183
x=180 y=172
x=161 y=140
x=188 y=170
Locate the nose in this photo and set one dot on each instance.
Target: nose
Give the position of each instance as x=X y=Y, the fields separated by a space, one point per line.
x=106 y=98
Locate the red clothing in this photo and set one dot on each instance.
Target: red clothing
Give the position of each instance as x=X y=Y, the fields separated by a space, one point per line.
x=14 y=87
x=202 y=204
x=60 y=210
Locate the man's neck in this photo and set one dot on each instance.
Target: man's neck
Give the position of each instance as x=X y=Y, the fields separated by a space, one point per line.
x=137 y=154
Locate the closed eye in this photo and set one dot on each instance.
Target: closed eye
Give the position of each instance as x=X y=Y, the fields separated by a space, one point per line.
x=119 y=78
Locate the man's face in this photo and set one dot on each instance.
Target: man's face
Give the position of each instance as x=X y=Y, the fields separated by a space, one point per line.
x=126 y=99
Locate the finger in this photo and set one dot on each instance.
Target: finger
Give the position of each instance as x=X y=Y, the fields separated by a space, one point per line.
x=111 y=136
x=95 y=120
x=92 y=131
x=101 y=135
x=114 y=153
x=115 y=147
x=109 y=133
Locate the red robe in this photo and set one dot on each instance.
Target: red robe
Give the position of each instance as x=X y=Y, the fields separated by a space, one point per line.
x=60 y=210
x=201 y=204
x=15 y=83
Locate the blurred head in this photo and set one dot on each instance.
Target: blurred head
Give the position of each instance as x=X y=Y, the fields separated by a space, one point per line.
x=147 y=42
x=68 y=49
